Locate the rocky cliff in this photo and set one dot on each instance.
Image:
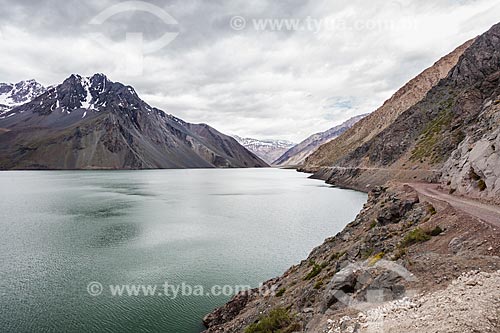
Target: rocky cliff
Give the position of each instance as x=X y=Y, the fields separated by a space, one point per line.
x=473 y=168
x=94 y=123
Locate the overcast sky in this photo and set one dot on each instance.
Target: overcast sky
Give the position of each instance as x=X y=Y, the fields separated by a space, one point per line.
x=343 y=57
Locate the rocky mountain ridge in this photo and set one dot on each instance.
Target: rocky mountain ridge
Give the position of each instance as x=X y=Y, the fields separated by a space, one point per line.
x=297 y=154
x=94 y=123
x=267 y=150
x=366 y=129
x=409 y=237
x=12 y=95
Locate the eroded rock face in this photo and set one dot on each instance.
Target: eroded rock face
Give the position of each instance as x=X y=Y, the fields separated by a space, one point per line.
x=474 y=167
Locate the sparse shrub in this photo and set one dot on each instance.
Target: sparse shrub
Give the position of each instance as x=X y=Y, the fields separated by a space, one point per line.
x=365 y=254
x=452 y=190
x=432 y=210
x=337 y=255
x=373 y=224
x=399 y=253
x=417 y=235
x=314 y=271
x=318 y=284
x=436 y=231
x=278 y=320
x=280 y=292
x=481 y=185
x=376 y=258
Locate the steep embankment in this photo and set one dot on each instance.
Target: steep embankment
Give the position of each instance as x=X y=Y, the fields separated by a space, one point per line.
x=297 y=154
x=398 y=245
x=366 y=129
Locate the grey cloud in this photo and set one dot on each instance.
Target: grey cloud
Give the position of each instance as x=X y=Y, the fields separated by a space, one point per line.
x=253 y=83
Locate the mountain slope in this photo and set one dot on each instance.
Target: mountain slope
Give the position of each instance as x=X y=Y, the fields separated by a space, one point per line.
x=367 y=128
x=456 y=122
x=12 y=95
x=268 y=150
x=92 y=122
x=297 y=154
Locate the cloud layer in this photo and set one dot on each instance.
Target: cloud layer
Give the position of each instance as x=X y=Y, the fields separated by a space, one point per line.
x=340 y=59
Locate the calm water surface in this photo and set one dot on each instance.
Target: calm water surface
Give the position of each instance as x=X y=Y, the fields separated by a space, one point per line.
x=59 y=231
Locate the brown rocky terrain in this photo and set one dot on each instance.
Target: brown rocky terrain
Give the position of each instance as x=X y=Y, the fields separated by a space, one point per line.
x=474 y=293
x=399 y=245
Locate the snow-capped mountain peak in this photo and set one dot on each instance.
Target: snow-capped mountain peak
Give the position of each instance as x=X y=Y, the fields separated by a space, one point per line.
x=14 y=94
x=269 y=150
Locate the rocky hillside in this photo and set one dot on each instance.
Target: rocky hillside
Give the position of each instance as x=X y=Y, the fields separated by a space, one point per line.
x=297 y=154
x=267 y=150
x=12 y=95
x=369 y=127
x=400 y=245
x=450 y=135
x=94 y=123
x=445 y=307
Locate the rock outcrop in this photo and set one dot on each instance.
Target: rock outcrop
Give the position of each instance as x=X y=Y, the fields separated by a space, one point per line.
x=473 y=168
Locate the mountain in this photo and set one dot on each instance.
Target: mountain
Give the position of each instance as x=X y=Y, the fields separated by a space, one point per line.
x=12 y=95
x=451 y=135
x=366 y=129
x=268 y=150
x=94 y=123
x=297 y=154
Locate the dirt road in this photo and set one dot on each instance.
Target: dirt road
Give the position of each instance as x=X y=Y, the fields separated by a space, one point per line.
x=485 y=212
